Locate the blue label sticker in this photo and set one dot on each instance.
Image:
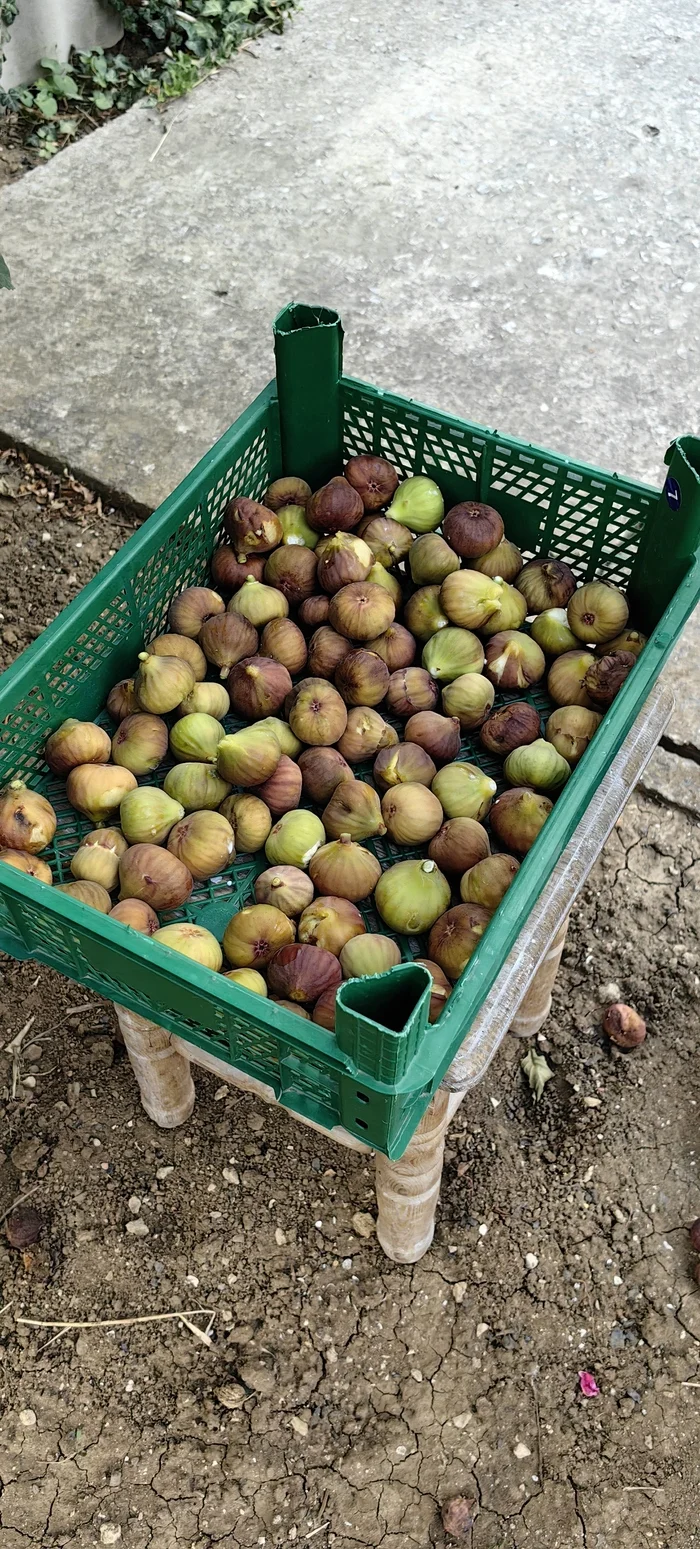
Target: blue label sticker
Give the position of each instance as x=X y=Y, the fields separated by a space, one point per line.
x=672 y=491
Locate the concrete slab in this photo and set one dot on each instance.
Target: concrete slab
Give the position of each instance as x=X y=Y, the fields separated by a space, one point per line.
x=673 y=779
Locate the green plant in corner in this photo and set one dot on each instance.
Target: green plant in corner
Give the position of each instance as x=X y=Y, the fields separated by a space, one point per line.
x=5 y=281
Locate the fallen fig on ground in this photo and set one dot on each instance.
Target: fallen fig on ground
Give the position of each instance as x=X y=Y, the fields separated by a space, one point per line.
x=624 y=1026
x=23 y=1227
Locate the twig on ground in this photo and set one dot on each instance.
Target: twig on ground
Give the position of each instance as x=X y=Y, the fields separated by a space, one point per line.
x=19 y=1201
x=540 y=1456
x=690 y=1384
x=149 y=1317
x=165 y=134
x=316 y=1530
x=644 y=1487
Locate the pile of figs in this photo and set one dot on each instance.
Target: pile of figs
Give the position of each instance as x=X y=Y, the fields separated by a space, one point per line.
x=335 y=617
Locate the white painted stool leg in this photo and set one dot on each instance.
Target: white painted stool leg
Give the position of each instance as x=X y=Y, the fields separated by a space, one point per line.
x=408 y=1190
x=163 y=1073
x=535 y=1006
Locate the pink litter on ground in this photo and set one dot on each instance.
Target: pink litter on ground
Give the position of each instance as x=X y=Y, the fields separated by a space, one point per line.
x=589 y=1386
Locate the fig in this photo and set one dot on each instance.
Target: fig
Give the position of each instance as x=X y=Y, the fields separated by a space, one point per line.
x=90 y=893
x=546 y=583
x=411 y=690
x=344 y=869
x=257 y=603
x=286 y=888
x=226 y=639
x=551 y=631
x=364 y=735
x=324 y=1010
x=162 y=682
x=283 y=641
x=140 y=916
x=195 y=739
x=389 y=583
x=287 y=491
x=148 y=814
x=250 y=819
x=624 y=1026
x=431 y=560
x=411 y=896
x=140 y=743
x=505 y=561
x=318 y=715
x=31 y=865
x=251 y=527
x=253 y=936
x=362 y=678
x=150 y=873
x=330 y=923
x=441 y=990
x=93 y=789
x=510 y=727
x=326 y=651
x=247 y=757
x=298 y=1010
x=23 y=1228
x=565 y=680
x=27 y=819
x=417 y=504
x=98 y=858
x=472 y=529
x=387 y=540
x=295 y=528
x=302 y=973
x=570 y=730
x=343 y=558
x=438 y=735
x=597 y=612
x=258 y=686
x=470 y=598
x=336 y=507
x=464 y=791
x=75 y=743
x=488 y=880
x=314 y=612
x=321 y=770
x=294 y=839
x=538 y=765
x=452 y=652
x=517 y=816
x=121 y=700
x=513 y=660
x=459 y=844
x=288 y=743
x=197 y=787
x=423 y=615
x=282 y=791
x=189 y=610
x=606 y=676
x=292 y=570
x=412 y=814
x=366 y=955
x=192 y=941
x=248 y=978
x=628 y=640
x=396 y=647
x=206 y=699
x=204 y=842
x=353 y=809
x=181 y=645
x=510 y=613
x=469 y=698
x=374 y=478
x=455 y=937
x=407 y=764
x=361 y=611
x=229 y=572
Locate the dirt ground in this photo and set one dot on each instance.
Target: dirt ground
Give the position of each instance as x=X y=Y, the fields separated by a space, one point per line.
x=343 y=1399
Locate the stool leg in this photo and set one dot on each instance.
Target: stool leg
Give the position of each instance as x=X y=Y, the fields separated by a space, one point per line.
x=535 y=1006
x=407 y=1190
x=163 y=1073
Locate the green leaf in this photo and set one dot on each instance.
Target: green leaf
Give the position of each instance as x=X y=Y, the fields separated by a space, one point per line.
x=5 y=281
x=103 y=100
x=46 y=104
x=535 y=1068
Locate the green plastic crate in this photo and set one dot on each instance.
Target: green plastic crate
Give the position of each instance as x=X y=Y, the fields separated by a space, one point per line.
x=374 y=1080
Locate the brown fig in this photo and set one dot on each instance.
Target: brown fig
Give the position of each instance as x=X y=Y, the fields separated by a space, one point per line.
x=181 y=645
x=95 y=790
x=204 y=842
x=345 y=869
x=23 y=1227
x=472 y=529
x=513 y=726
x=361 y=611
x=441 y=990
x=140 y=743
x=31 y=865
x=606 y=676
x=517 y=817
x=362 y=678
x=627 y=640
x=513 y=660
x=505 y=561
x=314 y=612
x=597 y=612
x=285 y=887
x=342 y=558
x=330 y=923
x=137 y=914
x=438 y=735
x=282 y=790
x=227 y=639
x=121 y=700
x=229 y=572
x=459 y=844
x=252 y=528
x=288 y=491
x=189 y=610
x=336 y=507
x=353 y=809
x=365 y=734
x=374 y=478
x=565 y=680
x=317 y=715
x=289 y=1005
x=546 y=583
x=487 y=881
x=90 y=893
x=389 y=541
x=324 y=1010
x=321 y=770
x=302 y=973
x=250 y=819
x=412 y=814
x=258 y=686
x=254 y=935
x=570 y=730
x=406 y=764
x=326 y=651
x=455 y=937
x=74 y=743
x=396 y=647
x=410 y=691
x=283 y=640
x=292 y=570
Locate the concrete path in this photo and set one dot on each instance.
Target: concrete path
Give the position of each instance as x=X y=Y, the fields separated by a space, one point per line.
x=501 y=200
